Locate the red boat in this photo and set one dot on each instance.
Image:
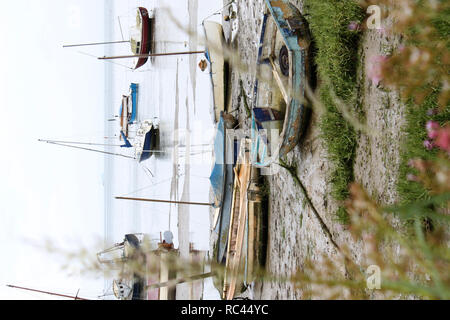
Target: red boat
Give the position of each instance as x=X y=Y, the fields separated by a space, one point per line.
x=141 y=40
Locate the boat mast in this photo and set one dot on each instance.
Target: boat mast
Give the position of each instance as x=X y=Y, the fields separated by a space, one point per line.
x=151 y=55
x=95 y=150
x=166 y=201
x=47 y=292
x=93 y=43
x=77 y=142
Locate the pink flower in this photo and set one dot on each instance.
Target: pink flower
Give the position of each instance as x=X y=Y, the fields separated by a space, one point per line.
x=374 y=68
x=432 y=129
x=443 y=139
x=428 y=144
x=433 y=134
x=432 y=125
x=354 y=26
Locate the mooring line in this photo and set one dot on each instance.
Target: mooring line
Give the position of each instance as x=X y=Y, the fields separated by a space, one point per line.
x=293 y=172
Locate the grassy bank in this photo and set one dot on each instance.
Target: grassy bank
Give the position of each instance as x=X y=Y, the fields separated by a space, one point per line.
x=336 y=58
x=413 y=145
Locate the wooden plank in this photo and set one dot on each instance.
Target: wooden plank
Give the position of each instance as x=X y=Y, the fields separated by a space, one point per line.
x=230 y=247
x=279 y=81
x=251 y=239
x=244 y=177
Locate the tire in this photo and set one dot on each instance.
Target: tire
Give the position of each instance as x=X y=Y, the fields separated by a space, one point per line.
x=283 y=60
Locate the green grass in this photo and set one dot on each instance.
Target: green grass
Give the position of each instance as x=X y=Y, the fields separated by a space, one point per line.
x=416 y=115
x=336 y=58
x=412 y=146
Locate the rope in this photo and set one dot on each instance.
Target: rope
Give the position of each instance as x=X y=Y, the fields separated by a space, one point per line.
x=110 y=61
x=99 y=151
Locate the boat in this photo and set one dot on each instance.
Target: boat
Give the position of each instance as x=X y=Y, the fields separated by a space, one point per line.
x=136 y=251
x=245 y=234
x=279 y=104
x=130 y=285
x=221 y=179
x=141 y=36
x=128 y=108
x=140 y=39
x=145 y=141
x=219 y=67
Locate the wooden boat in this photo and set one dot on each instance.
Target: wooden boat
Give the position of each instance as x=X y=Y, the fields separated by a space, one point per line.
x=245 y=231
x=221 y=179
x=283 y=57
x=218 y=65
x=141 y=36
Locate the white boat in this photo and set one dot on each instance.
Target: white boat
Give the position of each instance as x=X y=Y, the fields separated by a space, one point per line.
x=146 y=139
x=214 y=53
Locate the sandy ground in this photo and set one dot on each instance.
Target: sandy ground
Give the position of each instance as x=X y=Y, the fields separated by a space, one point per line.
x=295 y=233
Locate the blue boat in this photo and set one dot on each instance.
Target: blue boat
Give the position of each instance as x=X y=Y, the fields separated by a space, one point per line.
x=283 y=57
x=128 y=108
x=217 y=177
x=134 y=101
x=222 y=180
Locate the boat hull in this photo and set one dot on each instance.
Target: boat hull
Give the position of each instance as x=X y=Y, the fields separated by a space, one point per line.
x=146 y=39
x=146 y=140
x=245 y=235
x=214 y=53
x=222 y=178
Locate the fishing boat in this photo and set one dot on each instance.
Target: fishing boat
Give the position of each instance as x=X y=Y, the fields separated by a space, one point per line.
x=245 y=234
x=219 y=67
x=141 y=36
x=279 y=101
x=128 y=108
x=221 y=179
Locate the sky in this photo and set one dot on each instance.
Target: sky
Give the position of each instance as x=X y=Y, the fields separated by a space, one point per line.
x=49 y=193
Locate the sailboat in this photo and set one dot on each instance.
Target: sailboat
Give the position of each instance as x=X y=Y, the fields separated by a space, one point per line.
x=130 y=285
x=140 y=38
x=144 y=143
x=138 y=250
x=146 y=140
x=128 y=108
